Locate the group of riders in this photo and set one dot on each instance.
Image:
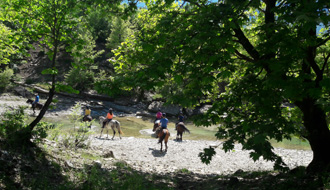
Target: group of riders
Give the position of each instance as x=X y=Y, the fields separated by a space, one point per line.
x=88 y=117
x=160 y=117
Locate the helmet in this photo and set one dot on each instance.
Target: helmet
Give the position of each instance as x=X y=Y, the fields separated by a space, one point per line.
x=164 y=114
x=87 y=107
x=110 y=109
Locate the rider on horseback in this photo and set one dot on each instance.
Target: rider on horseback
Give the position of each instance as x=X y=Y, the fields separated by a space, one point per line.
x=180 y=119
x=87 y=116
x=158 y=115
x=87 y=111
x=36 y=100
x=163 y=124
x=109 y=118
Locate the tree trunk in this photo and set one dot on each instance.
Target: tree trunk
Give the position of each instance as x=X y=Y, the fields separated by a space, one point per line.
x=314 y=119
x=44 y=109
x=51 y=91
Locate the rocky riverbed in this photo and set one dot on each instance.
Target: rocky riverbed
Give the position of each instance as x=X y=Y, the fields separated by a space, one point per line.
x=144 y=154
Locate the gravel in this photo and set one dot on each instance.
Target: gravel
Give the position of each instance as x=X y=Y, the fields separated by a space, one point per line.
x=144 y=154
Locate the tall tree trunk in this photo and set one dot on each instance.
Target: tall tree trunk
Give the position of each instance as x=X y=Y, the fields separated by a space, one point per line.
x=314 y=119
x=51 y=91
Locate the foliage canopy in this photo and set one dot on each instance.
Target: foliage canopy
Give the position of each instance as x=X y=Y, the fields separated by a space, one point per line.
x=272 y=54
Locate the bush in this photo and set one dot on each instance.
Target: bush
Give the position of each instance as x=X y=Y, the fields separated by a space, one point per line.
x=78 y=137
x=15 y=133
x=5 y=77
x=80 y=79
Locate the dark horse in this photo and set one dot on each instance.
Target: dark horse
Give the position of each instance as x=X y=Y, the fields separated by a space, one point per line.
x=34 y=106
x=88 y=118
x=162 y=136
x=180 y=128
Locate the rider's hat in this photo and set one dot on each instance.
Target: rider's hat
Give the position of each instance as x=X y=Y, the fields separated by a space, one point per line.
x=164 y=114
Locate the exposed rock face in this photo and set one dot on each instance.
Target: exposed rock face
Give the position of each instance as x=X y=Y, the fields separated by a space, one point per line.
x=168 y=109
x=21 y=91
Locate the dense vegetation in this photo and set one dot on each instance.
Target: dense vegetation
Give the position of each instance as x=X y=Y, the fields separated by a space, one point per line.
x=262 y=65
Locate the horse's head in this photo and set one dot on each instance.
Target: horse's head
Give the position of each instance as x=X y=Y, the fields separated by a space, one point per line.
x=101 y=119
x=156 y=125
x=29 y=101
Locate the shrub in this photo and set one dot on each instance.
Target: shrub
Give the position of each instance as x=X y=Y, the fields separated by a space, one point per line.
x=78 y=137
x=14 y=131
x=5 y=77
x=80 y=79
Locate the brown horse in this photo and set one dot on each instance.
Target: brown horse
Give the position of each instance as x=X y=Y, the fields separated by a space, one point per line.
x=113 y=124
x=180 y=128
x=156 y=123
x=34 y=106
x=163 y=135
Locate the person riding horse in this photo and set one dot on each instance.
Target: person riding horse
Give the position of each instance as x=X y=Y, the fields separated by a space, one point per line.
x=180 y=119
x=35 y=104
x=87 y=116
x=163 y=123
x=108 y=118
x=36 y=100
x=158 y=115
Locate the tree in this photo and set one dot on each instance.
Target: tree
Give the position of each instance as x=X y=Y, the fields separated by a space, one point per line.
x=271 y=53
x=52 y=23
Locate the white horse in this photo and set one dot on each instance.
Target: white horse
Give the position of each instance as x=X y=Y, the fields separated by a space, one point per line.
x=113 y=124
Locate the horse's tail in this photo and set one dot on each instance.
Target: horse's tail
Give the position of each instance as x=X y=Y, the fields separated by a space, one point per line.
x=184 y=127
x=165 y=136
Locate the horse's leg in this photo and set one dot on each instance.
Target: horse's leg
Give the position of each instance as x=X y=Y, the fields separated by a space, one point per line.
x=161 y=146
x=101 y=132
x=118 y=129
x=165 y=146
x=177 y=134
x=181 y=135
x=114 y=132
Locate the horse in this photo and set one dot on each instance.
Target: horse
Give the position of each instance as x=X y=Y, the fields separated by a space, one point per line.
x=161 y=136
x=88 y=118
x=180 y=128
x=113 y=124
x=156 y=123
x=34 y=106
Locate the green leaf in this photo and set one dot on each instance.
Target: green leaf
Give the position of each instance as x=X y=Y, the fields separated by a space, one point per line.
x=50 y=71
x=207 y=155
